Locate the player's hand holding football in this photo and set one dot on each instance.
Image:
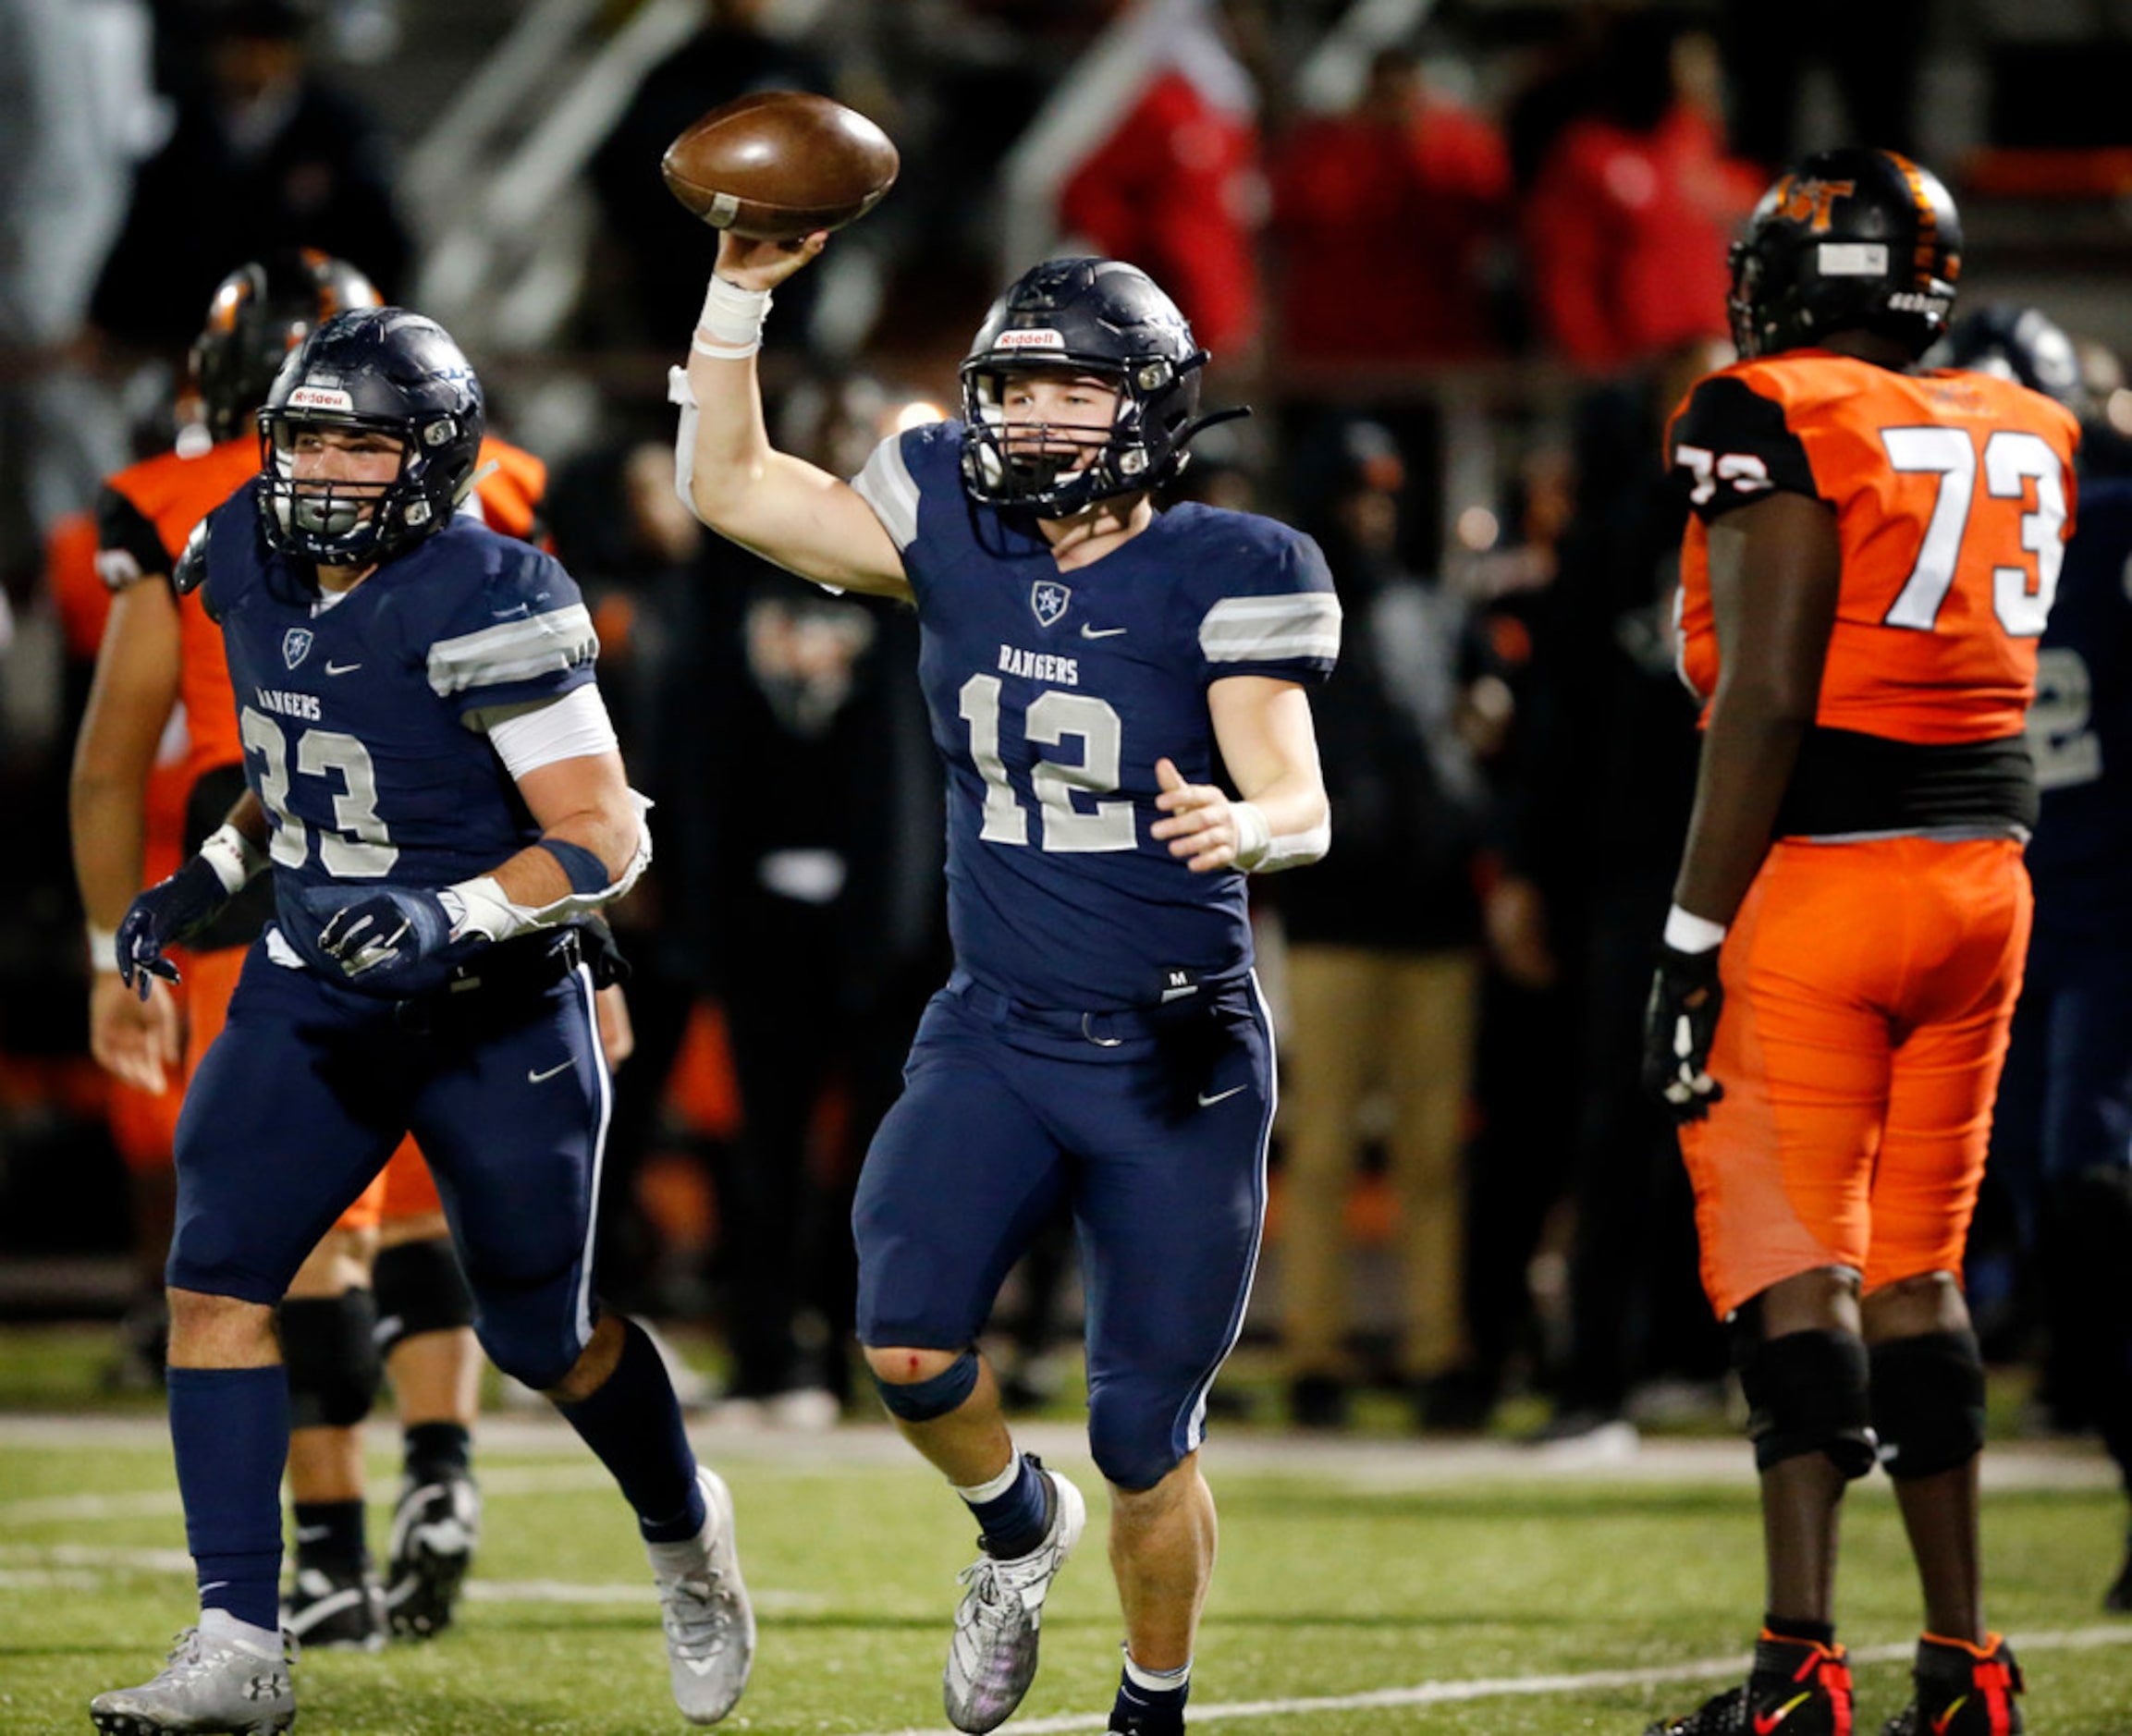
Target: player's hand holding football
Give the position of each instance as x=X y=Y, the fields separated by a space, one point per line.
x=765 y=264
x=386 y=935
x=162 y=916
x=1680 y=1024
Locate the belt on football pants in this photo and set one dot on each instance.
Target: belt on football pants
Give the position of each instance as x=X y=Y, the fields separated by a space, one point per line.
x=1104 y=1029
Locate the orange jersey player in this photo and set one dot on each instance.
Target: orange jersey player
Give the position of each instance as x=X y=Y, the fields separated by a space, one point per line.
x=1870 y=560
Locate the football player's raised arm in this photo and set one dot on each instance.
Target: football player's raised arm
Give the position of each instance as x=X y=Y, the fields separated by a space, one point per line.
x=1280 y=818
x=1775 y=568
x=783 y=508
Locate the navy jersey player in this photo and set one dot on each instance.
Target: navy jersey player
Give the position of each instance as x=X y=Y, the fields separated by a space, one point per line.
x=1086 y=660
x=2062 y=1134
x=433 y=780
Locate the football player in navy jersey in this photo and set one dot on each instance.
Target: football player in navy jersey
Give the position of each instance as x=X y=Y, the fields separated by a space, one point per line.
x=432 y=777
x=1086 y=660
x=2062 y=1136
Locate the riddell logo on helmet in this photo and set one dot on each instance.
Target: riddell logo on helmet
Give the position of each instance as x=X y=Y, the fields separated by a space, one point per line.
x=319 y=397
x=1809 y=201
x=1042 y=337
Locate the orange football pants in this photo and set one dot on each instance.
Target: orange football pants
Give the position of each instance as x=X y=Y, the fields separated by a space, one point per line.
x=1869 y=990
x=403 y=1188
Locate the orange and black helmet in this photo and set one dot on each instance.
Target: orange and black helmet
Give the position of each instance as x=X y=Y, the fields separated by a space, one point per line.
x=1848 y=241
x=260 y=311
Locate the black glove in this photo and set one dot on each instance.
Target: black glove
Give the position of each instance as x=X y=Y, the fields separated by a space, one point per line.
x=1680 y=1023
x=166 y=912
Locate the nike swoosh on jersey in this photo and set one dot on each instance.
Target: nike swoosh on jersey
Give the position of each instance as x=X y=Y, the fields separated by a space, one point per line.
x=1206 y=1102
x=532 y=1078
x=1940 y=1724
x=342 y=668
x=1102 y=633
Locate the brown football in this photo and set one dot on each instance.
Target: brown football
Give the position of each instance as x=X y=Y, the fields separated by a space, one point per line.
x=781 y=163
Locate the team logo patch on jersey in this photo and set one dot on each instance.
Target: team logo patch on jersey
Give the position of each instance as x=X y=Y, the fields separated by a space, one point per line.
x=296 y=645
x=1047 y=600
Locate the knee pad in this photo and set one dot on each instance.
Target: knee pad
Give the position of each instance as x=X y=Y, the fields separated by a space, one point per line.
x=923 y=1401
x=332 y=1359
x=1133 y=1441
x=1807 y=1392
x=420 y=1289
x=1928 y=1402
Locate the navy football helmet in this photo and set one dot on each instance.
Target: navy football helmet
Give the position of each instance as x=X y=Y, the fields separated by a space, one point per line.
x=1850 y=241
x=2020 y=343
x=1096 y=316
x=260 y=311
x=385 y=371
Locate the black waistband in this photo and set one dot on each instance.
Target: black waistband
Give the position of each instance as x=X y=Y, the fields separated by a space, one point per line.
x=1100 y=1027
x=1846 y=784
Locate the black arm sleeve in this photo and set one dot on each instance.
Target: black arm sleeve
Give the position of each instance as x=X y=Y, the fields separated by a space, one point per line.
x=128 y=547
x=1731 y=445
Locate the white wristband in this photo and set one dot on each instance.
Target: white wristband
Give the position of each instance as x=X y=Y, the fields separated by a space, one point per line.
x=480 y=907
x=1686 y=931
x=234 y=857
x=103 y=949
x=1261 y=851
x=730 y=326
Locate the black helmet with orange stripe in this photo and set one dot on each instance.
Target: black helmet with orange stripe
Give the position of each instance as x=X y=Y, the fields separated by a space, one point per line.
x=1850 y=241
x=260 y=311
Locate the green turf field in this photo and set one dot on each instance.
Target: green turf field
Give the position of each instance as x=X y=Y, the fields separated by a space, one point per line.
x=1366 y=1586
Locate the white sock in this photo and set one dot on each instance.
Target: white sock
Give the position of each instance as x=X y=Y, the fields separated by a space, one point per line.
x=1157 y=1681
x=998 y=1486
x=225 y=1628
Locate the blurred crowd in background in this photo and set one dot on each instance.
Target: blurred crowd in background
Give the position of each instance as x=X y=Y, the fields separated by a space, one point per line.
x=1463 y=258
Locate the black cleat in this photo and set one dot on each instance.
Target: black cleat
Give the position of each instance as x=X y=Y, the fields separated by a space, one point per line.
x=434 y=1529
x=1962 y=1690
x=1796 y=1688
x=335 y=1608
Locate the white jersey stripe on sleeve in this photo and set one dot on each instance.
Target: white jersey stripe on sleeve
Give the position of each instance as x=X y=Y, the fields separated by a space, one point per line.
x=1264 y=629
x=885 y=486
x=511 y=651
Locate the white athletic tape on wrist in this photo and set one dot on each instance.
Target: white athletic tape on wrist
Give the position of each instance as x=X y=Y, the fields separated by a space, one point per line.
x=103 y=949
x=1686 y=931
x=730 y=326
x=234 y=857
x=679 y=392
x=481 y=906
x=1260 y=851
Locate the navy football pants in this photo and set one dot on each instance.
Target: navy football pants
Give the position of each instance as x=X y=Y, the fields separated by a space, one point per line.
x=1153 y=1127
x=309 y=1088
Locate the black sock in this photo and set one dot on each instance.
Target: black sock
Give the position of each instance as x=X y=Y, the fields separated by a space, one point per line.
x=1015 y=1523
x=435 y=1452
x=329 y=1534
x=1792 y=1628
x=1143 y=1709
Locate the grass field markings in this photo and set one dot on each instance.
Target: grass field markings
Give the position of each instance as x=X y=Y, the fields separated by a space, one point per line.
x=1504 y=1687
x=768 y=1600
x=80 y=1563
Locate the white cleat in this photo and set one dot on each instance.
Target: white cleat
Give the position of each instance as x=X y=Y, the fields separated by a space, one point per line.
x=710 y=1624
x=992 y=1658
x=206 y=1686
